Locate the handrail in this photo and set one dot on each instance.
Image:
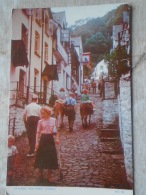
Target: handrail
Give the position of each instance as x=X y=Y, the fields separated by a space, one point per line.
x=22 y=97
x=13 y=125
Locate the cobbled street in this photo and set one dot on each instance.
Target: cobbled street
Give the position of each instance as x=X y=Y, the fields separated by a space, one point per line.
x=82 y=155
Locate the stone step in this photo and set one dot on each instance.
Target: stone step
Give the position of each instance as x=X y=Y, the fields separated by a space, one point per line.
x=113 y=152
x=109 y=139
x=109 y=133
x=112 y=126
x=118 y=158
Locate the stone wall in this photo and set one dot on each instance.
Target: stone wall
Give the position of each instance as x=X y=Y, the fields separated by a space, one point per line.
x=19 y=124
x=110 y=111
x=125 y=123
x=120 y=110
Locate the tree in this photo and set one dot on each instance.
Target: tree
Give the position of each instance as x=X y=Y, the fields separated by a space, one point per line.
x=118 y=62
x=87 y=69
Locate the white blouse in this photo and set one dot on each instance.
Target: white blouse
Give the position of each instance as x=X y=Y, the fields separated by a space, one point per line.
x=46 y=126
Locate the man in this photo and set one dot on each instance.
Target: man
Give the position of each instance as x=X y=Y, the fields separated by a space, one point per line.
x=31 y=117
x=70 y=103
x=93 y=84
x=101 y=87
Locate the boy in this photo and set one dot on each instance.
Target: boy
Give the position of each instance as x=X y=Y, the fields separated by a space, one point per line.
x=12 y=159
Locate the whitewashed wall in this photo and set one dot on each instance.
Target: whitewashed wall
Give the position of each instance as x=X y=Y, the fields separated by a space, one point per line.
x=19 y=124
x=110 y=112
x=97 y=73
x=139 y=77
x=124 y=103
x=121 y=109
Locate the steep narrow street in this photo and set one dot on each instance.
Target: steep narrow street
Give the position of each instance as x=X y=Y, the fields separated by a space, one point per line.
x=86 y=160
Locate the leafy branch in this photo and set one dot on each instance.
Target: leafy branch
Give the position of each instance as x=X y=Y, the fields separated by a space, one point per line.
x=118 y=62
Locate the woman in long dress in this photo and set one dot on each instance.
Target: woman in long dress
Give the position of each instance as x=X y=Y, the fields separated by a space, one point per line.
x=46 y=155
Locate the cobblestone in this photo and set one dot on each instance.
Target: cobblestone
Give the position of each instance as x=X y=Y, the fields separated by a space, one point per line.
x=82 y=154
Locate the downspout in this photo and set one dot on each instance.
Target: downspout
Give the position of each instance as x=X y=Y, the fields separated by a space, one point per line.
x=53 y=38
x=70 y=84
x=52 y=64
x=29 y=60
x=42 y=54
x=118 y=79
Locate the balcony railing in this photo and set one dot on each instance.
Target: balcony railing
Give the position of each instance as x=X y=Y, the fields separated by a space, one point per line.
x=21 y=97
x=62 y=51
x=12 y=123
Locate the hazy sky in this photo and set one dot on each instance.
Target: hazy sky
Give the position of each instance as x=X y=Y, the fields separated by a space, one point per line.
x=81 y=12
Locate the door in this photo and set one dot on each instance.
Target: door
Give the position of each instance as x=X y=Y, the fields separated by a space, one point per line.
x=45 y=91
x=21 y=83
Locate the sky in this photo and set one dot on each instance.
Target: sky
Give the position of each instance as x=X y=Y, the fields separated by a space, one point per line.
x=82 y=12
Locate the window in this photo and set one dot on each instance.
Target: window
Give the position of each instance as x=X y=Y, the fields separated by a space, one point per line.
x=101 y=67
x=46 y=25
x=67 y=81
x=59 y=67
x=28 y=12
x=37 y=44
x=46 y=52
x=65 y=35
x=24 y=35
x=36 y=72
x=21 y=82
x=38 y=16
x=64 y=79
x=35 y=79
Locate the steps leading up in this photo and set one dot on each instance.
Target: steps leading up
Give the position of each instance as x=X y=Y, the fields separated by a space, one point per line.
x=106 y=132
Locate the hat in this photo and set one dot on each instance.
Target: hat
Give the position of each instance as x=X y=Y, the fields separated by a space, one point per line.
x=34 y=96
x=62 y=89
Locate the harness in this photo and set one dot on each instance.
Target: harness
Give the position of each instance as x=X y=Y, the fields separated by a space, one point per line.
x=70 y=102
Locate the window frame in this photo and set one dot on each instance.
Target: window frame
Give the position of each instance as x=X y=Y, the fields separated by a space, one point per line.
x=37 y=44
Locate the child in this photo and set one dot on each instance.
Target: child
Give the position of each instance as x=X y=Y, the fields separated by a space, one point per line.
x=85 y=98
x=71 y=109
x=12 y=159
x=61 y=96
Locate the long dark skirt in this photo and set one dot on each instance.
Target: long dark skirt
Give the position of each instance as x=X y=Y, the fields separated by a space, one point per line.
x=10 y=163
x=46 y=156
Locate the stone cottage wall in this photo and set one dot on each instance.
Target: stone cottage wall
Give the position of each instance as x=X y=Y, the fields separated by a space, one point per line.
x=110 y=104
x=125 y=123
x=110 y=111
x=115 y=110
x=19 y=124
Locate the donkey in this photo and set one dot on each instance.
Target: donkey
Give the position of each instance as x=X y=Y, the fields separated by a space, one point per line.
x=59 y=112
x=86 y=110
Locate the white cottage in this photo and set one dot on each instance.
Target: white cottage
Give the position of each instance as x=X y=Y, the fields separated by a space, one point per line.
x=33 y=67
x=77 y=42
x=61 y=52
x=100 y=70
x=33 y=28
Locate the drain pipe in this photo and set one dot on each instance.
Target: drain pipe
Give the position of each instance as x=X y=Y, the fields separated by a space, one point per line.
x=42 y=51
